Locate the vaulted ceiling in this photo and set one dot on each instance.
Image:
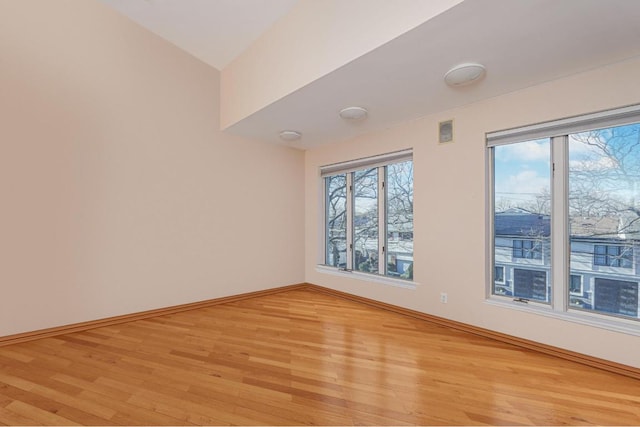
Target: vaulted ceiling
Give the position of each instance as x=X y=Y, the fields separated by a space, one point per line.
x=522 y=43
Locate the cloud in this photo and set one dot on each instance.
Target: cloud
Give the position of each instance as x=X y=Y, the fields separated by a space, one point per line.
x=593 y=165
x=527 y=183
x=524 y=151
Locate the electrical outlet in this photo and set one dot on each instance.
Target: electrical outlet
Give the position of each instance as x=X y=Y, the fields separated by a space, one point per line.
x=444 y=297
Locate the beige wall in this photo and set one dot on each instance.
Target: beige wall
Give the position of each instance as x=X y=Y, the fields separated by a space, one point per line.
x=450 y=208
x=314 y=39
x=118 y=191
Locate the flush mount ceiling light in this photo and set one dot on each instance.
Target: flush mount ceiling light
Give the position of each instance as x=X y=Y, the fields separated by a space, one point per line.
x=290 y=135
x=464 y=74
x=353 y=113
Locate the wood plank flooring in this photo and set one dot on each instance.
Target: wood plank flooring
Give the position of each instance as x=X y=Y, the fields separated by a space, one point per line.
x=299 y=358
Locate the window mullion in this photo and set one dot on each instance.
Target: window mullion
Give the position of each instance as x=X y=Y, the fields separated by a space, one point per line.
x=560 y=244
x=382 y=220
x=349 y=213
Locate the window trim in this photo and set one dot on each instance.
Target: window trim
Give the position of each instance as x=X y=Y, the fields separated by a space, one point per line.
x=589 y=318
x=366 y=162
x=368 y=277
x=602 y=119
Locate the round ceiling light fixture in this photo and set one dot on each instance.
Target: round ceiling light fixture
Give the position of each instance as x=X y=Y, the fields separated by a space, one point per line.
x=353 y=113
x=290 y=135
x=464 y=74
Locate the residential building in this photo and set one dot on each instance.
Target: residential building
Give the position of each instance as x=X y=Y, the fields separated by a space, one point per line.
x=604 y=261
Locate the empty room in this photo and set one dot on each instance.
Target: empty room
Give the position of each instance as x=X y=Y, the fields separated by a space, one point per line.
x=319 y=212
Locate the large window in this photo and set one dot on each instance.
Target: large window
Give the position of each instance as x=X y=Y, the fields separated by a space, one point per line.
x=565 y=213
x=369 y=215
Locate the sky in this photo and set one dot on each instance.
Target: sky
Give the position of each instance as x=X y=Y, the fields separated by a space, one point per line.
x=522 y=170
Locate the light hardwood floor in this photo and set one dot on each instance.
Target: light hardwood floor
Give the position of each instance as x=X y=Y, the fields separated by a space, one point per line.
x=295 y=358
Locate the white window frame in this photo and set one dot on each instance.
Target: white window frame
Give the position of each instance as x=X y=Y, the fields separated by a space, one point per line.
x=349 y=168
x=557 y=131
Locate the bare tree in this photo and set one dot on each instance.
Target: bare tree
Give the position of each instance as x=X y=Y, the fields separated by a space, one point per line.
x=365 y=193
x=604 y=180
x=539 y=203
x=336 y=189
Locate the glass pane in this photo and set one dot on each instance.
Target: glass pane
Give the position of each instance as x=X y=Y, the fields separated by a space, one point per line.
x=575 y=284
x=604 y=219
x=400 y=220
x=522 y=219
x=365 y=220
x=530 y=284
x=336 y=217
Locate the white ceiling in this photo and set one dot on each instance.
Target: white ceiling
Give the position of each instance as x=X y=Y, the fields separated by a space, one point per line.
x=522 y=43
x=215 y=31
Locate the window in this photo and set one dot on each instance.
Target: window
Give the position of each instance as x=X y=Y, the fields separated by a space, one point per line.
x=399 y=221
x=575 y=284
x=369 y=215
x=336 y=220
x=498 y=274
x=521 y=218
x=365 y=220
x=613 y=256
x=616 y=297
x=530 y=284
x=590 y=167
x=527 y=249
x=603 y=179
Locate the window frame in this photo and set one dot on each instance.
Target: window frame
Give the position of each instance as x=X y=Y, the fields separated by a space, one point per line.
x=381 y=162
x=558 y=132
x=326 y=188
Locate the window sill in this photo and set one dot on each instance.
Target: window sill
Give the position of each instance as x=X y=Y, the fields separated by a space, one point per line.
x=399 y=283
x=629 y=327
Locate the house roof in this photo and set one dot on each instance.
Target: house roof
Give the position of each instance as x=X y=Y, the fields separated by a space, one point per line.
x=519 y=222
x=599 y=227
x=522 y=223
